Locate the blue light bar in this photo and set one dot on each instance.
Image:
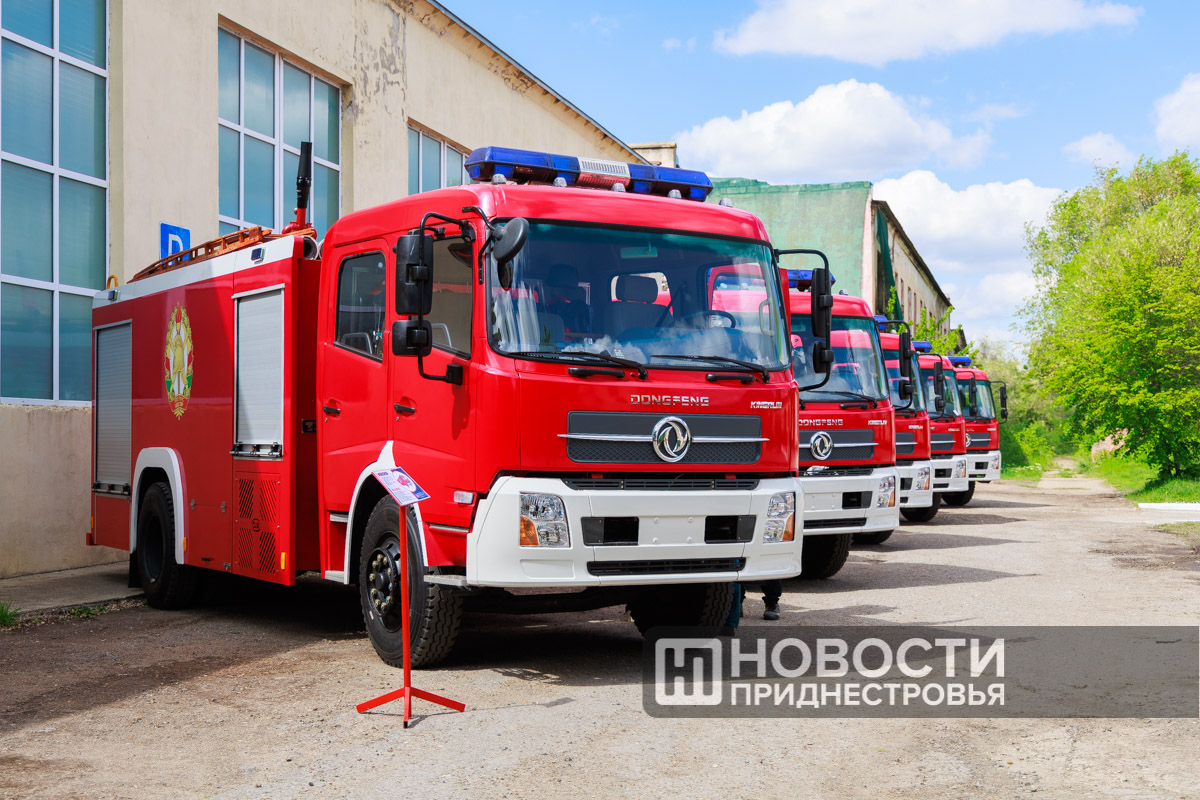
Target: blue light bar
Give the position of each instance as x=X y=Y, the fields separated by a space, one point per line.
x=922 y=346
x=531 y=166
x=802 y=278
x=960 y=361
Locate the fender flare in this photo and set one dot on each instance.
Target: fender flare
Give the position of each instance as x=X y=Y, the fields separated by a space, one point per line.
x=384 y=461
x=167 y=459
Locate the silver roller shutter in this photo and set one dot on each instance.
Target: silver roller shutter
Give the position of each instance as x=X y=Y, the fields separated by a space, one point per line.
x=113 y=390
x=260 y=369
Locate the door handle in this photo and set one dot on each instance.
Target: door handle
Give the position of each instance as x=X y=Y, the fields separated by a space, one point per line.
x=332 y=411
x=403 y=409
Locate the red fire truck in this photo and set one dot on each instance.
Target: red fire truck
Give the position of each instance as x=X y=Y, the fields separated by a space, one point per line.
x=500 y=345
x=948 y=431
x=983 y=427
x=912 y=429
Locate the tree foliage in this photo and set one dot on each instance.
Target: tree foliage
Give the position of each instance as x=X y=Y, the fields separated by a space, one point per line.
x=1115 y=321
x=952 y=342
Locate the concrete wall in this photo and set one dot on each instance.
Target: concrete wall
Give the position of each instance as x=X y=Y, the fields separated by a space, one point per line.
x=825 y=217
x=915 y=285
x=395 y=60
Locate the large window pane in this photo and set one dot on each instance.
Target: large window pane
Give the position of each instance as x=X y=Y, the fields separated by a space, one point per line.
x=229 y=70
x=260 y=90
x=295 y=106
x=326 y=118
x=431 y=163
x=81 y=30
x=26 y=342
x=454 y=167
x=74 y=347
x=30 y=18
x=230 y=172
x=81 y=121
x=226 y=228
x=25 y=238
x=259 y=187
x=414 y=161
x=324 y=205
x=80 y=234
x=25 y=120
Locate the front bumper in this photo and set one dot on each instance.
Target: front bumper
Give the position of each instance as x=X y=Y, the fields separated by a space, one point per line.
x=983 y=465
x=918 y=477
x=670 y=546
x=950 y=474
x=847 y=504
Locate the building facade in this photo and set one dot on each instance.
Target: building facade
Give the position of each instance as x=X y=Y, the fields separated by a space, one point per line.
x=120 y=116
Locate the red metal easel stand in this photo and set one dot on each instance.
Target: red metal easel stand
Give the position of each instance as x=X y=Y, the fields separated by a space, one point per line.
x=407 y=691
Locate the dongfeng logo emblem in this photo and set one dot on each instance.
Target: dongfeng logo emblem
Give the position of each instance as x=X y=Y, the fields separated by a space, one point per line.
x=821 y=445
x=671 y=438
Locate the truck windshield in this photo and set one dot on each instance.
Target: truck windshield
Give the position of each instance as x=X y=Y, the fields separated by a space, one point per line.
x=678 y=300
x=987 y=409
x=953 y=408
x=857 y=372
x=891 y=359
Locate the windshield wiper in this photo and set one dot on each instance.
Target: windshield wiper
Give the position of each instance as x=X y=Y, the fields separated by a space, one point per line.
x=737 y=362
x=605 y=357
x=863 y=397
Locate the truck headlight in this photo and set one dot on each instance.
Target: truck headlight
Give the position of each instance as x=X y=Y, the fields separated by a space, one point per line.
x=996 y=460
x=886 y=498
x=960 y=468
x=781 y=518
x=921 y=482
x=543 y=521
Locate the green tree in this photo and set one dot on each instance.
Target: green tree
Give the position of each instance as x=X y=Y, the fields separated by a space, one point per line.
x=952 y=342
x=1115 y=321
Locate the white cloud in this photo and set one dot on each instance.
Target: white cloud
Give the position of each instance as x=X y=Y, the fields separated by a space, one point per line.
x=1179 y=116
x=878 y=31
x=973 y=241
x=991 y=112
x=844 y=131
x=598 y=23
x=1099 y=148
x=677 y=44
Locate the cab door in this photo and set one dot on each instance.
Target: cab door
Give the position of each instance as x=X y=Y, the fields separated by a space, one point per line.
x=352 y=388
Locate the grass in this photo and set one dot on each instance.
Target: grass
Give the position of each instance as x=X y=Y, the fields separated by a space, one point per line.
x=1182 y=528
x=1032 y=473
x=8 y=615
x=1140 y=482
x=84 y=612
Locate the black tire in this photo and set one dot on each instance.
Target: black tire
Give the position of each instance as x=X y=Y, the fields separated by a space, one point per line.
x=435 y=611
x=922 y=514
x=166 y=583
x=959 y=499
x=823 y=556
x=878 y=537
x=700 y=605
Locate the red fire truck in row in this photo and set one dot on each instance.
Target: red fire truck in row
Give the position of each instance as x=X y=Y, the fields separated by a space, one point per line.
x=499 y=345
x=983 y=427
x=948 y=431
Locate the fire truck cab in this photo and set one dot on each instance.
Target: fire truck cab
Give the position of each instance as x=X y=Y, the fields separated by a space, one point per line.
x=983 y=426
x=948 y=432
x=912 y=425
x=550 y=363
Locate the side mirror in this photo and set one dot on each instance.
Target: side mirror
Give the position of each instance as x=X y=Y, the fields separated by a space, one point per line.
x=904 y=389
x=1004 y=414
x=906 y=357
x=821 y=311
x=939 y=383
x=939 y=404
x=414 y=274
x=822 y=357
x=973 y=410
x=412 y=337
x=516 y=231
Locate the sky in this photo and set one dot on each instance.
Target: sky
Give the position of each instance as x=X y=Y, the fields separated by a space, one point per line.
x=969 y=116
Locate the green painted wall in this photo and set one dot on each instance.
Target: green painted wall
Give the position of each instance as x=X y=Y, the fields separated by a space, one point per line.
x=827 y=216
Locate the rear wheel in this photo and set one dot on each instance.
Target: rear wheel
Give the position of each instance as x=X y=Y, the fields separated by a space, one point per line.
x=922 y=514
x=879 y=537
x=958 y=499
x=167 y=583
x=703 y=605
x=823 y=556
x=435 y=611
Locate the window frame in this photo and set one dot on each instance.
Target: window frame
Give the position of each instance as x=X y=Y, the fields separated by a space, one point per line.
x=337 y=293
x=282 y=210
x=444 y=145
x=57 y=173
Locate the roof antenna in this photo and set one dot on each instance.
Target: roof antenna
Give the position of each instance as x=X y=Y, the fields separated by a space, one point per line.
x=303 y=186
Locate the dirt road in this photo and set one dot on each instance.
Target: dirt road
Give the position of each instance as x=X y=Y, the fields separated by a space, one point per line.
x=251 y=695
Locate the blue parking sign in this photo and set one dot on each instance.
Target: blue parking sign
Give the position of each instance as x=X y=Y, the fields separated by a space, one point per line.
x=173 y=239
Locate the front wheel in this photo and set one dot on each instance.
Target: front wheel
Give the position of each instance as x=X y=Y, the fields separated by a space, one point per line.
x=879 y=537
x=167 y=583
x=435 y=611
x=823 y=556
x=699 y=605
x=959 y=499
x=922 y=514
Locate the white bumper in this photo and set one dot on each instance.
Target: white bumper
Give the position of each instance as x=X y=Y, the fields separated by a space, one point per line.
x=918 y=476
x=950 y=474
x=983 y=466
x=849 y=504
x=670 y=531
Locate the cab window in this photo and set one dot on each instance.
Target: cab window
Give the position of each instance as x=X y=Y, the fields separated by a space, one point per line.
x=360 y=305
x=453 y=281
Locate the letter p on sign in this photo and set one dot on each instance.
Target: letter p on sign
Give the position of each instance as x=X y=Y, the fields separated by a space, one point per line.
x=173 y=239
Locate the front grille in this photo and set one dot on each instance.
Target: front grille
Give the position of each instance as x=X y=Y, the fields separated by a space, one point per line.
x=847 y=445
x=941 y=442
x=599 y=451
x=845 y=522
x=906 y=443
x=662 y=483
x=905 y=484
x=836 y=472
x=979 y=441
x=666 y=566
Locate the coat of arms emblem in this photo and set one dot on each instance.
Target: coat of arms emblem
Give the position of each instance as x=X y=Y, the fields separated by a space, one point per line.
x=177 y=361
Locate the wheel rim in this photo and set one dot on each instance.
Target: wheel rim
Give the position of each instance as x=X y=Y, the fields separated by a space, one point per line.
x=383 y=579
